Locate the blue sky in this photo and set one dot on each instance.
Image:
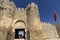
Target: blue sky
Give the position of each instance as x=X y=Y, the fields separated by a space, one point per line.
x=21 y=32
x=46 y=8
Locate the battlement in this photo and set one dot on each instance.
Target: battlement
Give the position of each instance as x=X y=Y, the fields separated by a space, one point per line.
x=30 y=5
x=45 y=23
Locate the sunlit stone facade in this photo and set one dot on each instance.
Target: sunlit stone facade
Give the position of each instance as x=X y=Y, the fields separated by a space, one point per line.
x=23 y=23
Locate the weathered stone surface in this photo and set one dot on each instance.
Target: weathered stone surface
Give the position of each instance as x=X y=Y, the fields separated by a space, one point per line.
x=3 y=33
x=53 y=39
x=12 y=18
x=58 y=29
x=49 y=30
x=34 y=25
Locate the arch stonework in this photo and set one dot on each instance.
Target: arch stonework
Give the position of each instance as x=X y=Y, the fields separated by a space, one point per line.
x=20 y=21
x=19 y=24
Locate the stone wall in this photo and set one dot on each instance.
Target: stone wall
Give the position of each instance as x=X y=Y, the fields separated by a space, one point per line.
x=17 y=18
x=34 y=25
x=49 y=31
x=3 y=33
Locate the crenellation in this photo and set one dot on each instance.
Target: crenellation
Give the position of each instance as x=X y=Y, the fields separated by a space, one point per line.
x=22 y=8
x=19 y=8
x=33 y=4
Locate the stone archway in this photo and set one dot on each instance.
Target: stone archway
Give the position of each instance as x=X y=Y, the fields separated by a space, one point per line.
x=19 y=24
x=19 y=29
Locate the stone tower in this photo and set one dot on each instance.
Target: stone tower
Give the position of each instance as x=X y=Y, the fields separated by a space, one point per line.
x=7 y=9
x=19 y=23
x=33 y=20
